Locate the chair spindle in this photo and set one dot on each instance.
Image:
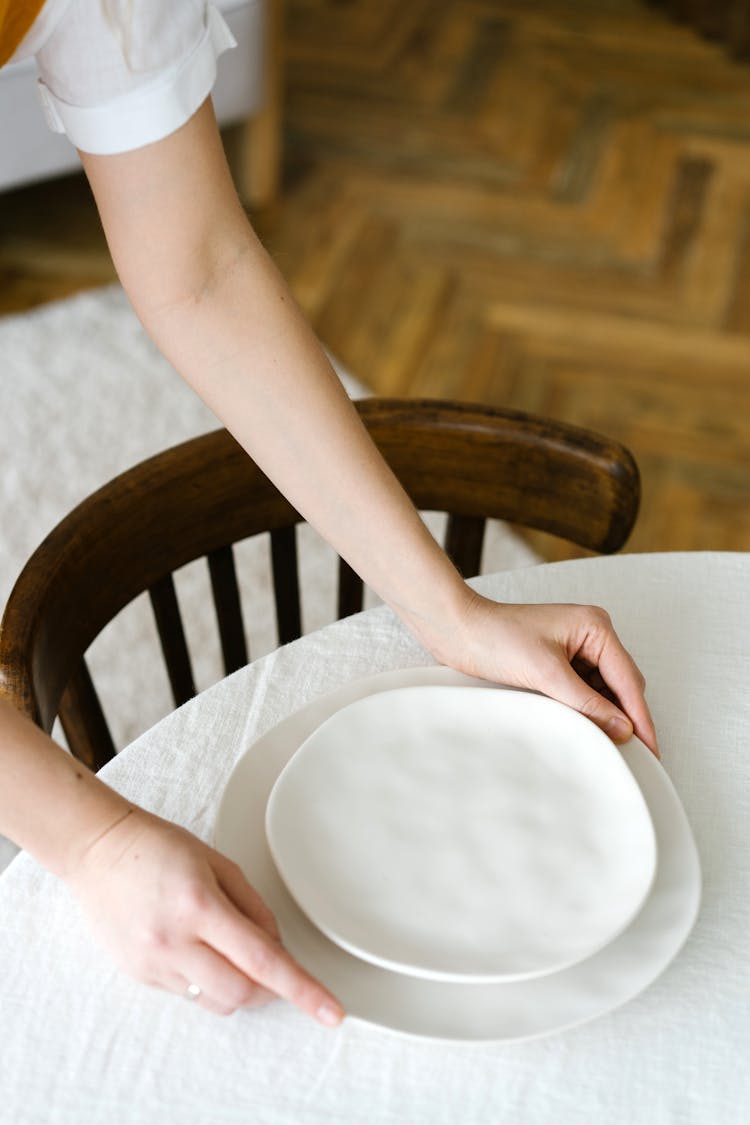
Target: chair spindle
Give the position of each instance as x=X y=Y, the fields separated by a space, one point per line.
x=83 y=720
x=286 y=583
x=228 y=608
x=351 y=590
x=172 y=636
x=464 y=538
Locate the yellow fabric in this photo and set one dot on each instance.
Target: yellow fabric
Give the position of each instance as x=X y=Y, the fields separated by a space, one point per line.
x=16 y=17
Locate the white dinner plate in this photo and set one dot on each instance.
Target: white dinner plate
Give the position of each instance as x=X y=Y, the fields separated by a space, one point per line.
x=462 y=835
x=438 y=1010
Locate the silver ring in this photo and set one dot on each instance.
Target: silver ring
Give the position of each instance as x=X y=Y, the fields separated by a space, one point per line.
x=192 y=992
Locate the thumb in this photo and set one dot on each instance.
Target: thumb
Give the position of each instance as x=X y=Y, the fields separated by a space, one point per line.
x=565 y=685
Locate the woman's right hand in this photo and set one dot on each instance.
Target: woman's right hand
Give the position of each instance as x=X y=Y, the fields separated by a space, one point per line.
x=174 y=912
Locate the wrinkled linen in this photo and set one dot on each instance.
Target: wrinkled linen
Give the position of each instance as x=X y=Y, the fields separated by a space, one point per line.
x=83 y=1042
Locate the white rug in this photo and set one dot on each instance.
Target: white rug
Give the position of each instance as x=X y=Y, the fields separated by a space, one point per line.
x=85 y=394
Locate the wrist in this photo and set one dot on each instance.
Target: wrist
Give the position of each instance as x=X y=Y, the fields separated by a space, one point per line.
x=90 y=812
x=98 y=836
x=441 y=624
x=106 y=846
x=51 y=805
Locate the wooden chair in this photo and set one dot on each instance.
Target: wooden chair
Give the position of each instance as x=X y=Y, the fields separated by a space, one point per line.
x=202 y=496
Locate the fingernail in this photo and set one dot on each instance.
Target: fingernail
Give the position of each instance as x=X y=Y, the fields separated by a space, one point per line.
x=618 y=728
x=329 y=1014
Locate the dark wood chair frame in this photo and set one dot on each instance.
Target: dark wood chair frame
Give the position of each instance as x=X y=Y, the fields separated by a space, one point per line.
x=202 y=496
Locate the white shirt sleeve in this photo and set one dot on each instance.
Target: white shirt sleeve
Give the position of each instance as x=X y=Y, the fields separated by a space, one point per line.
x=119 y=74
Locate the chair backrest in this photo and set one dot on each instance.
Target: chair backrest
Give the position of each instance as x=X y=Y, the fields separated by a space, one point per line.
x=200 y=497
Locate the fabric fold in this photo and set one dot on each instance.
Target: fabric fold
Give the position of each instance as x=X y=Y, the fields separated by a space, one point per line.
x=150 y=112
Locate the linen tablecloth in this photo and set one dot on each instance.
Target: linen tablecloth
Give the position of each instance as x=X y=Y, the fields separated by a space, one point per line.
x=81 y=1042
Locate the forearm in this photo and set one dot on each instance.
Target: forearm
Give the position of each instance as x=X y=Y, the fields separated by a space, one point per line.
x=217 y=307
x=50 y=804
x=248 y=352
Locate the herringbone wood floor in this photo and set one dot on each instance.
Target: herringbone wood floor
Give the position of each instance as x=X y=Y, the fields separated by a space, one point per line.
x=536 y=203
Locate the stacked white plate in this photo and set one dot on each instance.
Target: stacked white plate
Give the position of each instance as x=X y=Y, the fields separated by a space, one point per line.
x=458 y=861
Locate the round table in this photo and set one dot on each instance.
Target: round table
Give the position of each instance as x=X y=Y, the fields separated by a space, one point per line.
x=83 y=1042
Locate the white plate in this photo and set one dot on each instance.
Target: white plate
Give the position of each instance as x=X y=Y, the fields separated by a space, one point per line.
x=462 y=835
x=437 y=1010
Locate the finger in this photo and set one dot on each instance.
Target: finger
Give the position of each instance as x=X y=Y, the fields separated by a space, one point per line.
x=621 y=674
x=564 y=684
x=245 y=897
x=266 y=962
x=593 y=678
x=213 y=998
x=223 y=988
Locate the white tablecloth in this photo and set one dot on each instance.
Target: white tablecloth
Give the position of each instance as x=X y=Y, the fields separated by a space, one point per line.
x=83 y=1043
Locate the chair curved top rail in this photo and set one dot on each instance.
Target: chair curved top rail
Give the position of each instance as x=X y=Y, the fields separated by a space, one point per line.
x=203 y=494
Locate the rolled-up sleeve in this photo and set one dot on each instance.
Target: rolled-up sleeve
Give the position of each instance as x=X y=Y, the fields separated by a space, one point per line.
x=115 y=75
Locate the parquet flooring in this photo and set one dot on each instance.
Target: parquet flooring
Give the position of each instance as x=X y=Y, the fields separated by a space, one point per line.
x=536 y=203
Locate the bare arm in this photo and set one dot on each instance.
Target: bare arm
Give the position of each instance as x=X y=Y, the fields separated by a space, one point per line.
x=172 y=910
x=213 y=301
